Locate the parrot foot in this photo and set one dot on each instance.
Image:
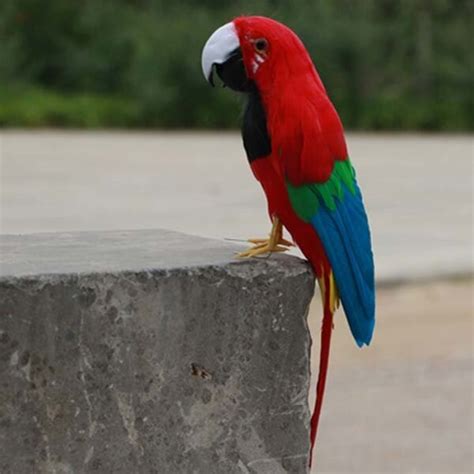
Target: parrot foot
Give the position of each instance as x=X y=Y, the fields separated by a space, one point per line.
x=282 y=241
x=275 y=243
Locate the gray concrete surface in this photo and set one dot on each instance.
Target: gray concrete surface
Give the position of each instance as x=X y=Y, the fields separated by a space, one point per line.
x=108 y=251
x=202 y=368
x=418 y=190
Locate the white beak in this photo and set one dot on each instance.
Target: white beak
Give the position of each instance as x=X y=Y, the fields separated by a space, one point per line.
x=218 y=48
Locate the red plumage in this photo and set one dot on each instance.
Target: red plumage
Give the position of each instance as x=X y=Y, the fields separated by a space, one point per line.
x=307 y=134
x=279 y=204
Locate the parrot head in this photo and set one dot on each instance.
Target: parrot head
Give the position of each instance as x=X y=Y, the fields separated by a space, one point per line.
x=256 y=50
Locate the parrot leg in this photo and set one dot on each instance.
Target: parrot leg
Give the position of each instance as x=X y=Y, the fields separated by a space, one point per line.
x=275 y=243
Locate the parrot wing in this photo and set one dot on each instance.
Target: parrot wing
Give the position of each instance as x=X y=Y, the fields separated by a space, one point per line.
x=309 y=138
x=336 y=211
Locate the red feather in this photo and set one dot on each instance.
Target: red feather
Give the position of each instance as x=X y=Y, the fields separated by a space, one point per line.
x=326 y=333
x=306 y=132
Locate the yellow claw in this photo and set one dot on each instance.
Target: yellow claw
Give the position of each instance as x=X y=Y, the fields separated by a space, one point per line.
x=333 y=293
x=282 y=241
x=275 y=243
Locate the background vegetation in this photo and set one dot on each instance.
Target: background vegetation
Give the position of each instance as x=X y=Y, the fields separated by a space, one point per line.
x=387 y=64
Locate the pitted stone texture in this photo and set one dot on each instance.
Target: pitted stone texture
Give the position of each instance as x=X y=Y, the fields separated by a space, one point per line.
x=197 y=369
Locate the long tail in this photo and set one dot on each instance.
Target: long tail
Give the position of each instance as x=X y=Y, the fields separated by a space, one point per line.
x=330 y=303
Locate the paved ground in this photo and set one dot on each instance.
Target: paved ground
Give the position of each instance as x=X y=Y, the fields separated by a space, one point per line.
x=402 y=406
x=405 y=404
x=418 y=190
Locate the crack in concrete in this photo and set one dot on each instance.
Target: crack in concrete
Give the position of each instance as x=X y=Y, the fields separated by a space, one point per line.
x=128 y=418
x=83 y=363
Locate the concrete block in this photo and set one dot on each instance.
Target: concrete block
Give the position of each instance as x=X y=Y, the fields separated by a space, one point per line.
x=151 y=352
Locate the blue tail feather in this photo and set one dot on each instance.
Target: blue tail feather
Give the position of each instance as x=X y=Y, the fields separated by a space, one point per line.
x=345 y=235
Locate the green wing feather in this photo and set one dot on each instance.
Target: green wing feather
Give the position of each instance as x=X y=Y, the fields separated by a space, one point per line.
x=302 y=197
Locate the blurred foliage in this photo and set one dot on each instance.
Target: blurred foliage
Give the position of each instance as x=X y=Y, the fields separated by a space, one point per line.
x=387 y=64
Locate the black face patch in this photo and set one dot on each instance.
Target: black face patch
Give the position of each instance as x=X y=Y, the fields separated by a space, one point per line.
x=232 y=72
x=257 y=142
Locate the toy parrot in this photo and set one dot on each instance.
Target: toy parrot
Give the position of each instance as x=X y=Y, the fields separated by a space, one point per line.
x=294 y=141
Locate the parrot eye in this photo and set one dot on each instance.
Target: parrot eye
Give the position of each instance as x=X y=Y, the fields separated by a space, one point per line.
x=261 y=45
